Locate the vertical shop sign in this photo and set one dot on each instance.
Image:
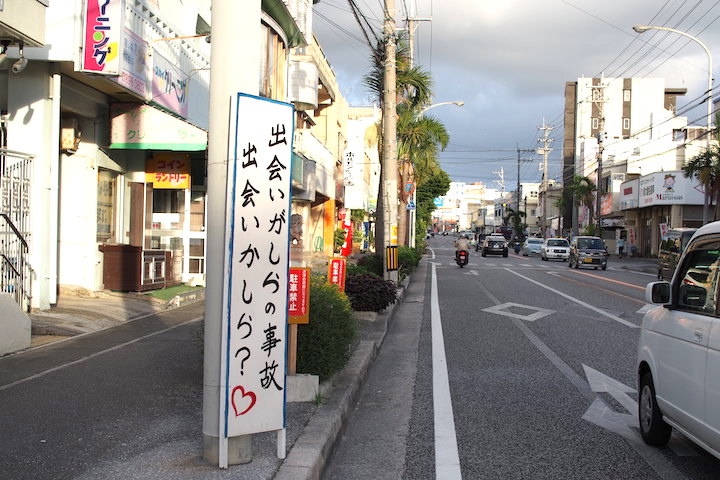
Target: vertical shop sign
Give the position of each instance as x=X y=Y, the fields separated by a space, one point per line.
x=103 y=30
x=169 y=85
x=299 y=295
x=135 y=65
x=346 y=248
x=336 y=272
x=257 y=266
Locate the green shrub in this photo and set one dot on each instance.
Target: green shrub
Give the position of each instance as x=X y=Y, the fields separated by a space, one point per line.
x=368 y=293
x=409 y=257
x=353 y=269
x=324 y=345
x=372 y=262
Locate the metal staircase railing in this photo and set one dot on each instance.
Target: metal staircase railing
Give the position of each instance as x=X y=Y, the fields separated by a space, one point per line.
x=15 y=271
x=15 y=181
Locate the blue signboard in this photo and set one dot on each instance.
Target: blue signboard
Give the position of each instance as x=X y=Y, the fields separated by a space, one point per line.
x=438 y=201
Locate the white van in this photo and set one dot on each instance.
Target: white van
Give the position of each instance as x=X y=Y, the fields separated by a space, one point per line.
x=678 y=359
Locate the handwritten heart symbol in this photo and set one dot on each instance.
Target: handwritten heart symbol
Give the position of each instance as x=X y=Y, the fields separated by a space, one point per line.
x=243 y=394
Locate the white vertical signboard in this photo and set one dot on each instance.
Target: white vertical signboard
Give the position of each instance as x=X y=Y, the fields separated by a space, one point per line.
x=256 y=273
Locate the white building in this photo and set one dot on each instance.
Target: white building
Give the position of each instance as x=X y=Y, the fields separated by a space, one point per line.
x=633 y=121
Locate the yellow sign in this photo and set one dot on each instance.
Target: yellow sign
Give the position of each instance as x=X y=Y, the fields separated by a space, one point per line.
x=168 y=170
x=393 y=235
x=391 y=258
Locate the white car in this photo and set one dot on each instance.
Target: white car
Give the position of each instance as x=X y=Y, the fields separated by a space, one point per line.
x=678 y=359
x=555 y=248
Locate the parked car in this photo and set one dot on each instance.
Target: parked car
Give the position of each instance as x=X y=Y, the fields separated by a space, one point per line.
x=671 y=247
x=470 y=236
x=480 y=241
x=496 y=245
x=531 y=245
x=588 y=252
x=678 y=356
x=555 y=248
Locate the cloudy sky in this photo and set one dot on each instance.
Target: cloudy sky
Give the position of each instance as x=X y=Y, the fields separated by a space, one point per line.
x=508 y=60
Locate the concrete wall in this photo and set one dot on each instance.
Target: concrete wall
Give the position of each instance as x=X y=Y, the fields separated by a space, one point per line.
x=14 y=325
x=29 y=120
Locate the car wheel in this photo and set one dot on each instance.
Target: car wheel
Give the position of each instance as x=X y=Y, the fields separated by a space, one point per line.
x=564 y=259
x=483 y=254
x=653 y=428
x=505 y=254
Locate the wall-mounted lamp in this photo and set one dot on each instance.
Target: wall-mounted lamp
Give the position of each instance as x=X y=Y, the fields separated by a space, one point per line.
x=20 y=65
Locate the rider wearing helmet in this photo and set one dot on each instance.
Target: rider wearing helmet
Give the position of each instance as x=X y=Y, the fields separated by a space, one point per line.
x=462 y=244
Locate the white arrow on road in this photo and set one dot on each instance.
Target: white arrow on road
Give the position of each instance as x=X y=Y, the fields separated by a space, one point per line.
x=623 y=424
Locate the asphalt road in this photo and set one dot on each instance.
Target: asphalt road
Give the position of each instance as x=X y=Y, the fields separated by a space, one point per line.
x=540 y=362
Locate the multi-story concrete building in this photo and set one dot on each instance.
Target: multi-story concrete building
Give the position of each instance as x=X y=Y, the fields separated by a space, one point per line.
x=623 y=128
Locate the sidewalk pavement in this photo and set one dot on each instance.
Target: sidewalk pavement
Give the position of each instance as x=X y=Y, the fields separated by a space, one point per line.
x=636 y=264
x=313 y=432
x=78 y=314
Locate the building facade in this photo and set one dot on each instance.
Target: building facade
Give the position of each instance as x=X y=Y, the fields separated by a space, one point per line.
x=618 y=130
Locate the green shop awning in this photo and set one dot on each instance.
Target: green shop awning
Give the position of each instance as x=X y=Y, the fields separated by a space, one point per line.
x=137 y=126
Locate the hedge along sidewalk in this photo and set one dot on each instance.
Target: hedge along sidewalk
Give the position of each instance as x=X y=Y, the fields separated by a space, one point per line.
x=308 y=456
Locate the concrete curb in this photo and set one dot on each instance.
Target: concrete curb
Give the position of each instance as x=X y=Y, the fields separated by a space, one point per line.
x=314 y=447
x=186 y=298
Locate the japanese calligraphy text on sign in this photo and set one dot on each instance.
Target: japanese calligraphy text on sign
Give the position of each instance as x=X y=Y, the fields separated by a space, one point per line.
x=257 y=256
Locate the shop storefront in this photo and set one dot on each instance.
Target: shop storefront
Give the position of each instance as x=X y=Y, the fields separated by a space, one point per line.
x=656 y=202
x=166 y=187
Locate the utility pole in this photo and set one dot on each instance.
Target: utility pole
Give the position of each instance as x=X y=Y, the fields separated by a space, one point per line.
x=519 y=186
x=233 y=23
x=390 y=167
x=413 y=213
x=501 y=182
x=411 y=27
x=545 y=151
x=598 y=98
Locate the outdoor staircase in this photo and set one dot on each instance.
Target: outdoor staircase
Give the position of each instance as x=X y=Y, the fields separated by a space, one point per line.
x=16 y=273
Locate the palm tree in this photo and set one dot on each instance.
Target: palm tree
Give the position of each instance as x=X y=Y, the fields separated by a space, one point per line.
x=515 y=218
x=706 y=168
x=419 y=137
x=583 y=191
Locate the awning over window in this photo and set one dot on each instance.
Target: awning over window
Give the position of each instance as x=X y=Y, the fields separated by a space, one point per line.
x=138 y=126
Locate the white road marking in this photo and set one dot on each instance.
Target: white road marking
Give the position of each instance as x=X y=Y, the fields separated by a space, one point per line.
x=665 y=469
x=580 y=302
x=96 y=354
x=504 y=310
x=447 y=459
x=623 y=424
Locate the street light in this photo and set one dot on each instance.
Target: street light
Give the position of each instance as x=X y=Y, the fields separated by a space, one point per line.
x=459 y=104
x=414 y=193
x=645 y=28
